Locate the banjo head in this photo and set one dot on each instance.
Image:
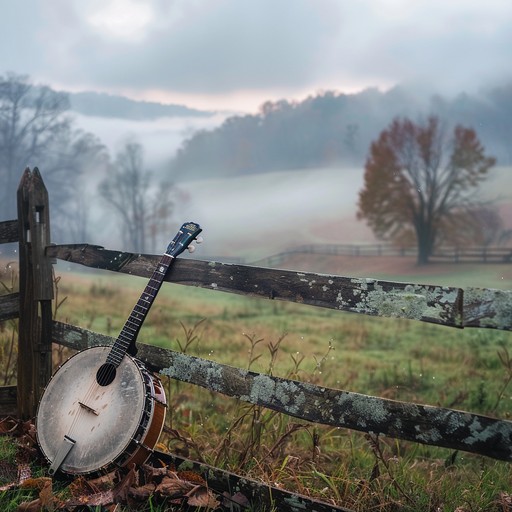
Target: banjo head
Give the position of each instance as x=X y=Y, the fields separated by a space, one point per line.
x=101 y=420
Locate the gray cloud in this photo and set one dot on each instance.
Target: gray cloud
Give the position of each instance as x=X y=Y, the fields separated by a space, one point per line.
x=17 y=36
x=224 y=46
x=456 y=48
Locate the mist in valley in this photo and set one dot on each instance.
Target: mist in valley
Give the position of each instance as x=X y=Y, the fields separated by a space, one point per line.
x=247 y=216
x=259 y=184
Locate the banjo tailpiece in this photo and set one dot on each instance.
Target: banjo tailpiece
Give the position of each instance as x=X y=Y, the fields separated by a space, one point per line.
x=65 y=448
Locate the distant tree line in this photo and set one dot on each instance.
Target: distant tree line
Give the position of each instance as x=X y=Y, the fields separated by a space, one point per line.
x=335 y=129
x=106 y=105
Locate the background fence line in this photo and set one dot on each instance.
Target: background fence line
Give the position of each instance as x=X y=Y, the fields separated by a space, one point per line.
x=469 y=254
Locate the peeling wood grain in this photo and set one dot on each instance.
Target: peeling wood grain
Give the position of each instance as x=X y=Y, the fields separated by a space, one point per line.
x=470 y=307
x=9 y=306
x=9 y=231
x=435 y=304
x=36 y=293
x=413 y=422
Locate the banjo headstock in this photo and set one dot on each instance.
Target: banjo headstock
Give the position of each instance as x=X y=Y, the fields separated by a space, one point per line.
x=185 y=236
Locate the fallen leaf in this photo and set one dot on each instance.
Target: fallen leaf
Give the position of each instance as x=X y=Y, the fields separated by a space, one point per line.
x=78 y=487
x=202 y=497
x=36 y=483
x=99 y=499
x=104 y=480
x=151 y=473
x=121 y=490
x=161 y=447
x=190 y=476
x=142 y=492
x=30 y=506
x=171 y=485
x=47 y=498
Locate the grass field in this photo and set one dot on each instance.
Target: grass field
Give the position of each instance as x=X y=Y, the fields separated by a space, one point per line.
x=467 y=369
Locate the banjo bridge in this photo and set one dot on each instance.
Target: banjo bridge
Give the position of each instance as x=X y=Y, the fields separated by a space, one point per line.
x=87 y=408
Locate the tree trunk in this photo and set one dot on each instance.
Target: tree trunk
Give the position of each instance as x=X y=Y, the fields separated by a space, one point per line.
x=423 y=255
x=425 y=244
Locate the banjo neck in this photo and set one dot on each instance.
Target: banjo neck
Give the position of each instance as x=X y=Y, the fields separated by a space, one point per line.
x=125 y=341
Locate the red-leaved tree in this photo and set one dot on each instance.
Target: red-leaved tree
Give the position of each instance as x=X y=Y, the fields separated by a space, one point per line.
x=420 y=181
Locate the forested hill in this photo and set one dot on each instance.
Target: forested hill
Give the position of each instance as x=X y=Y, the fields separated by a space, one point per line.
x=335 y=129
x=107 y=105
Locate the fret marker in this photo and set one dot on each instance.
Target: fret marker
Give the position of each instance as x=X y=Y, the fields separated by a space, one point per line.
x=162 y=269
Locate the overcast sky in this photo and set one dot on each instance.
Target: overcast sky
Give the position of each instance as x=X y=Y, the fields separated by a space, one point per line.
x=235 y=54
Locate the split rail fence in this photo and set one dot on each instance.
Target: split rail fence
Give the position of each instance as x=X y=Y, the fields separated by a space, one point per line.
x=477 y=254
x=448 y=306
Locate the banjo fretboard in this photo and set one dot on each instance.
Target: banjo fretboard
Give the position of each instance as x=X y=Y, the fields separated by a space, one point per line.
x=125 y=341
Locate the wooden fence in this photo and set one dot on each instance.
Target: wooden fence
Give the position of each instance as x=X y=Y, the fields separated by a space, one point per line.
x=477 y=254
x=449 y=306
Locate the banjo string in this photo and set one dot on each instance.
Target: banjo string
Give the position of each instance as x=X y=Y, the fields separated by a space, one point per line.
x=86 y=399
x=103 y=372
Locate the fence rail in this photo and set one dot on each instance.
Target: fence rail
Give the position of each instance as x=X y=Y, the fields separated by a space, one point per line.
x=401 y=420
x=454 y=307
x=9 y=306
x=448 y=306
x=9 y=231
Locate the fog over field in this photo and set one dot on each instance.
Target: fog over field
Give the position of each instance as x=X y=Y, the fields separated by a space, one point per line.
x=249 y=216
x=258 y=215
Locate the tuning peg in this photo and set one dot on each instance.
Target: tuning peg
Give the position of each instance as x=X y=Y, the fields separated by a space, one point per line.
x=199 y=240
x=191 y=248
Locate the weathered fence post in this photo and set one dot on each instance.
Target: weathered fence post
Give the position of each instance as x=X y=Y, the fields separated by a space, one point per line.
x=36 y=293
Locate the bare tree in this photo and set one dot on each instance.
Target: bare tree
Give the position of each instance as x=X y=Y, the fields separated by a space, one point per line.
x=127 y=190
x=160 y=212
x=78 y=224
x=35 y=130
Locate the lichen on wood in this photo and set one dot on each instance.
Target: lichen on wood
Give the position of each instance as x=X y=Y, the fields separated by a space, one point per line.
x=487 y=307
x=414 y=422
x=436 y=304
x=418 y=302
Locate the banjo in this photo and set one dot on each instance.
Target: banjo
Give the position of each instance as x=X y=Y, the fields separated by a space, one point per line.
x=102 y=409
